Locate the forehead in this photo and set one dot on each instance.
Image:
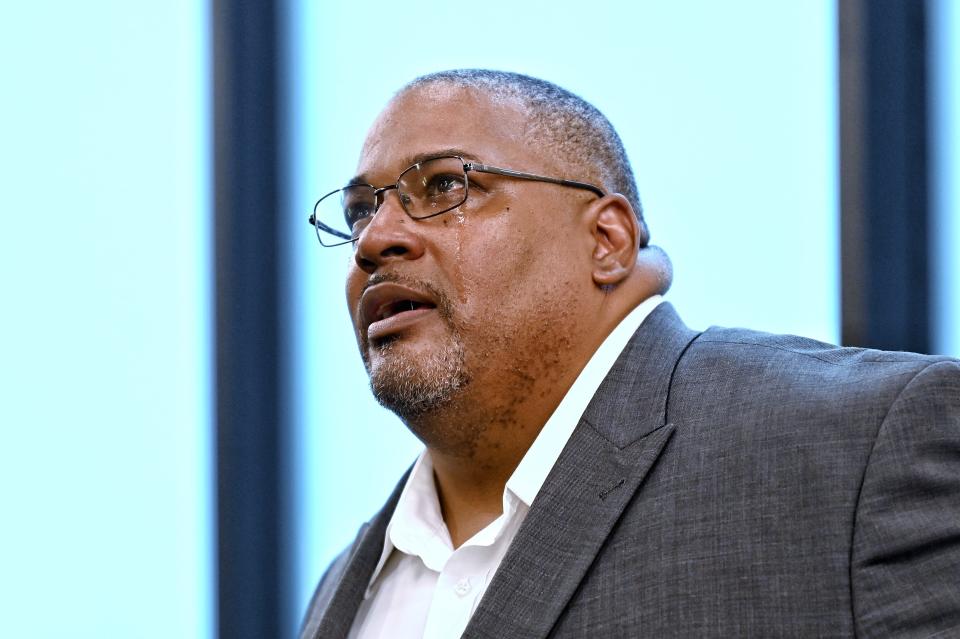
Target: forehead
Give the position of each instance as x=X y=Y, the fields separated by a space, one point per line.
x=436 y=118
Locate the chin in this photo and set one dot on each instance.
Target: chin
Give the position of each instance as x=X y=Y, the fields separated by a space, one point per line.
x=415 y=384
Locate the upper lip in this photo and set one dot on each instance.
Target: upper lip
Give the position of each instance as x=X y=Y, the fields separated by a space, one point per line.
x=381 y=298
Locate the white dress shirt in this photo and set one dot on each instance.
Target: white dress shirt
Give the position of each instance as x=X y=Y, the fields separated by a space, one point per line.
x=422 y=587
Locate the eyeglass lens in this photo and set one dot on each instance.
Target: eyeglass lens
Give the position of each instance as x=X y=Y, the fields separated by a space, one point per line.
x=425 y=189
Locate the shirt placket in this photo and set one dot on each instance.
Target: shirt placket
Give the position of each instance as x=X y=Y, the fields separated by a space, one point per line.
x=457 y=593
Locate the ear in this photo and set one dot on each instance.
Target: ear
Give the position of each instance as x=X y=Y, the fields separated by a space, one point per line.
x=616 y=239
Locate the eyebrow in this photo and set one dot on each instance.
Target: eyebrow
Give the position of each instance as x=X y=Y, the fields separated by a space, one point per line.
x=422 y=157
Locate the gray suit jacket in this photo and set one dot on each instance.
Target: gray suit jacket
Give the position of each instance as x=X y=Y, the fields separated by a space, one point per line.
x=729 y=484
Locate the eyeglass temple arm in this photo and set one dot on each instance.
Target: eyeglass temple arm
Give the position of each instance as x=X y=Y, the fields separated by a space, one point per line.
x=483 y=168
x=323 y=227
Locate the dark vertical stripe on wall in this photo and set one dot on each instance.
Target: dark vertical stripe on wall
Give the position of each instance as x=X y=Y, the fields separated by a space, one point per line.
x=883 y=174
x=251 y=430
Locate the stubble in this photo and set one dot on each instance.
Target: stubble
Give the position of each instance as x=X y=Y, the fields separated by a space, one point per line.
x=416 y=387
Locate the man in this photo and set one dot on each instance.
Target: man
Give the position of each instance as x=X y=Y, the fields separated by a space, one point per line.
x=593 y=468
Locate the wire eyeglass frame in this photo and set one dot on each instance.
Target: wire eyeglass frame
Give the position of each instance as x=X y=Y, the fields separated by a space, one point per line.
x=325 y=232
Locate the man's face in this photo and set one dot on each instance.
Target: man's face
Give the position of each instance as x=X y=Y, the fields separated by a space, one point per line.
x=480 y=299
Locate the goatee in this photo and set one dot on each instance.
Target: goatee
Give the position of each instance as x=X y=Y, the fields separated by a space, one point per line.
x=413 y=387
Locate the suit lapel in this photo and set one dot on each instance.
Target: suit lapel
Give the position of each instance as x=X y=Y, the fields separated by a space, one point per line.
x=333 y=618
x=618 y=439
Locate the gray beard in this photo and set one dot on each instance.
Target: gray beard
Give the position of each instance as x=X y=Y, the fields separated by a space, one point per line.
x=412 y=389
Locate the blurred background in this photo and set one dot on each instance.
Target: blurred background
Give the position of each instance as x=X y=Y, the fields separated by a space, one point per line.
x=186 y=433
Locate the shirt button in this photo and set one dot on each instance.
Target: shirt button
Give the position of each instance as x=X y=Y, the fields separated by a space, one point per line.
x=463 y=587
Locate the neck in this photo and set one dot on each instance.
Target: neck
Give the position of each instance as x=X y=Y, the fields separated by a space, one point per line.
x=477 y=440
x=470 y=478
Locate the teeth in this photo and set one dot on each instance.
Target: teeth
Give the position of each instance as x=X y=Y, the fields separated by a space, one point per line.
x=399 y=307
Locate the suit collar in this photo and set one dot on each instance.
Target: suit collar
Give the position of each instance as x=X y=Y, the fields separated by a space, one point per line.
x=618 y=439
x=632 y=400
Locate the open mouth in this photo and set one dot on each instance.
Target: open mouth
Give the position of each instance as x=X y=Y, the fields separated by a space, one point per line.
x=388 y=308
x=401 y=306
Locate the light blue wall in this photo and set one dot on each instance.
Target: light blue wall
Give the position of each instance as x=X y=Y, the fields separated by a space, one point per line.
x=944 y=32
x=728 y=110
x=105 y=416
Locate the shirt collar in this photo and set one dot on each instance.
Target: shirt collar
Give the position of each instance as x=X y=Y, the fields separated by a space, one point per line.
x=417 y=514
x=417 y=522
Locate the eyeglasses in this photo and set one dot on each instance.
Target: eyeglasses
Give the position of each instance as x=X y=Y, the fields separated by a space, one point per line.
x=426 y=189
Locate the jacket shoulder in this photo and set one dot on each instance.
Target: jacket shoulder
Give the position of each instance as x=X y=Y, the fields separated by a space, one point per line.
x=349 y=573
x=754 y=353
x=793 y=346
x=738 y=376
x=324 y=591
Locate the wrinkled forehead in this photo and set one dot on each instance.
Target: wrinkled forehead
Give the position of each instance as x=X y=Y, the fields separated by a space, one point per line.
x=435 y=118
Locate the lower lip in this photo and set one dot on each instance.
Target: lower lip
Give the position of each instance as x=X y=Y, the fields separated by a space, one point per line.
x=396 y=323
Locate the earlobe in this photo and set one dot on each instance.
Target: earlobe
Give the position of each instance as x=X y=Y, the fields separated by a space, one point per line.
x=617 y=237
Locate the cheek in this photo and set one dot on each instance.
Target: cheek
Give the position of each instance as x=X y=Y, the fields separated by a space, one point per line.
x=353 y=289
x=506 y=284
x=491 y=265
x=517 y=253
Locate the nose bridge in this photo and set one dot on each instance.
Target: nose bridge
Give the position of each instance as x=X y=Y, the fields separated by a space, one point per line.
x=380 y=199
x=380 y=195
x=390 y=232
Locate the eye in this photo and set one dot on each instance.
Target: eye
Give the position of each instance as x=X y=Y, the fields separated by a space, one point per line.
x=357 y=213
x=444 y=183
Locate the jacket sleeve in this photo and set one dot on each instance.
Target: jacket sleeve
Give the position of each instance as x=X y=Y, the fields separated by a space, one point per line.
x=905 y=555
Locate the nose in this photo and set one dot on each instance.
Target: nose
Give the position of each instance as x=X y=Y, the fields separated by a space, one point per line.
x=390 y=235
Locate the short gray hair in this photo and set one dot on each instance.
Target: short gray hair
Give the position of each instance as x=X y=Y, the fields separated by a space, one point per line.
x=563 y=121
